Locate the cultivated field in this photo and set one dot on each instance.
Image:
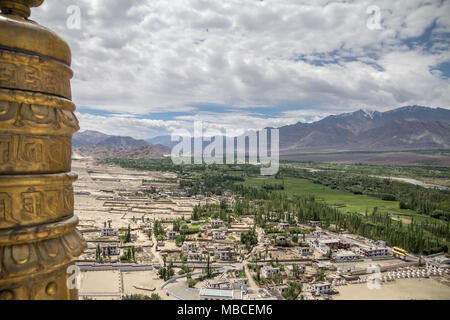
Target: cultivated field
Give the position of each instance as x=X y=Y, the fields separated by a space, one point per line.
x=375 y=158
x=345 y=201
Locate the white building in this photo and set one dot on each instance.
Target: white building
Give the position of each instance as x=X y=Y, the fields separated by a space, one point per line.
x=218 y=284
x=305 y=251
x=146 y=227
x=224 y=254
x=323 y=249
x=109 y=232
x=320 y=288
x=284 y=226
x=241 y=284
x=268 y=272
x=332 y=242
x=345 y=255
x=216 y=223
x=171 y=235
x=197 y=256
x=367 y=251
x=219 y=235
x=317 y=233
x=110 y=249
x=314 y=223
x=189 y=246
x=283 y=288
x=220 y=294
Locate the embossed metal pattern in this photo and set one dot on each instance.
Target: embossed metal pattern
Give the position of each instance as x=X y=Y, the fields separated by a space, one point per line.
x=33 y=73
x=35 y=133
x=37 y=232
x=38 y=236
x=27 y=200
x=51 y=284
x=34 y=154
x=36 y=98
x=21 y=117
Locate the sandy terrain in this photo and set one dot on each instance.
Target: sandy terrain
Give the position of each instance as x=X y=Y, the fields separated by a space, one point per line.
x=181 y=290
x=403 y=289
x=104 y=285
x=109 y=193
x=143 y=279
x=107 y=285
x=96 y=183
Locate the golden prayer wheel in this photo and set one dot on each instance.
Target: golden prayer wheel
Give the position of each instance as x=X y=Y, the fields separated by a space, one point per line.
x=38 y=236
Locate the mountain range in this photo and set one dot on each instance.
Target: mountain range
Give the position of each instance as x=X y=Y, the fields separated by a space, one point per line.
x=406 y=128
x=100 y=145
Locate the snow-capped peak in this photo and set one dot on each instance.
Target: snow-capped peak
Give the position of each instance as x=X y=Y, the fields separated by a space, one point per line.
x=368 y=112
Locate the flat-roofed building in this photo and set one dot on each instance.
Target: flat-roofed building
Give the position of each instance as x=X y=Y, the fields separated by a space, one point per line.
x=220 y=294
x=283 y=288
x=109 y=232
x=367 y=251
x=345 y=255
x=146 y=227
x=219 y=235
x=314 y=223
x=171 y=235
x=197 y=256
x=224 y=254
x=284 y=226
x=305 y=251
x=218 y=284
x=333 y=242
x=317 y=233
x=344 y=244
x=110 y=249
x=216 y=223
x=189 y=246
x=320 y=288
x=269 y=272
x=241 y=284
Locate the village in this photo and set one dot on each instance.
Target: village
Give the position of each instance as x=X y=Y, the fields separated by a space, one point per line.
x=142 y=241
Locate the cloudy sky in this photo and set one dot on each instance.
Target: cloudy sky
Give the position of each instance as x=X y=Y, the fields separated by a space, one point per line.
x=146 y=67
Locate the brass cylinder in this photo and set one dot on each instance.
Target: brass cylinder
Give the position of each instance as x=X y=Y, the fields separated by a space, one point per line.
x=38 y=236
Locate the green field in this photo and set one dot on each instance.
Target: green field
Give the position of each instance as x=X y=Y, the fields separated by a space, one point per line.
x=433 y=175
x=345 y=201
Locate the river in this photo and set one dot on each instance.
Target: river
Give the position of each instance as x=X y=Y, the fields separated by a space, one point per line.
x=415 y=182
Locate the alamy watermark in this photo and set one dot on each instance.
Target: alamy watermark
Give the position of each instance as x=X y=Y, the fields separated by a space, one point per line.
x=74 y=279
x=374 y=20
x=374 y=278
x=73 y=21
x=213 y=147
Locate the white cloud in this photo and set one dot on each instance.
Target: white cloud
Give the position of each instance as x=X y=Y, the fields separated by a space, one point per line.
x=127 y=125
x=142 y=57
